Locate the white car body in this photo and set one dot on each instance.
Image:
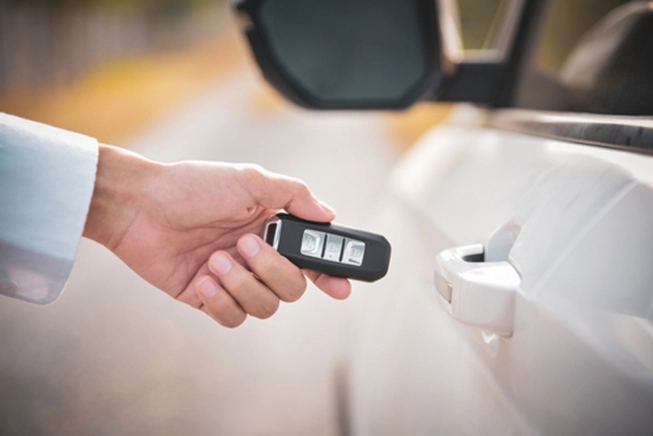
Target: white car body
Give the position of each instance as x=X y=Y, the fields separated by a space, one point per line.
x=570 y=351
x=520 y=293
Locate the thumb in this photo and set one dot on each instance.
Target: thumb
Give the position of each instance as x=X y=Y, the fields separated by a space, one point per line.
x=276 y=191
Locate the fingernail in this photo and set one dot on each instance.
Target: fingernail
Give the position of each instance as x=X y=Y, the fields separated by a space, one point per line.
x=248 y=246
x=326 y=207
x=206 y=288
x=220 y=263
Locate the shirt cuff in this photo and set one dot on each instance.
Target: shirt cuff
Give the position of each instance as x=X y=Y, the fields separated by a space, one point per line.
x=47 y=177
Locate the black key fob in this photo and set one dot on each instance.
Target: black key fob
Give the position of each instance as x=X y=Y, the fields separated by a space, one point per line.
x=328 y=248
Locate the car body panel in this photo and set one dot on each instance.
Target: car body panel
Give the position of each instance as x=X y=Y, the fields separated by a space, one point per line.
x=580 y=358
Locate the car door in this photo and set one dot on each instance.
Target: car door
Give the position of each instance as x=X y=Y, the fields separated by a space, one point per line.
x=520 y=298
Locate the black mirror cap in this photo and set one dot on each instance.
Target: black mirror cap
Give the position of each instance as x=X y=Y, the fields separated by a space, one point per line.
x=346 y=54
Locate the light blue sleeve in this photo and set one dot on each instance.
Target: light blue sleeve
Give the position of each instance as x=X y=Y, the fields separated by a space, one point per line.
x=46 y=183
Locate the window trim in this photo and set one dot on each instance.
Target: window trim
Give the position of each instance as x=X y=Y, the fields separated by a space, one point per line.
x=629 y=133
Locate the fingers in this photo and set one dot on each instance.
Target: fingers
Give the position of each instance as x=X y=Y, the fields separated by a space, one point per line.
x=276 y=191
x=335 y=287
x=218 y=304
x=278 y=279
x=277 y=272
x=253 y=296
x=258 y=289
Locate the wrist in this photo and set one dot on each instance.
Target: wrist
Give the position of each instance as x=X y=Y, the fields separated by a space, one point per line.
x=122 y=186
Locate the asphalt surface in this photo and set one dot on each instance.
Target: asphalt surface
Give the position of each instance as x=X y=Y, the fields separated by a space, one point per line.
x=115 y=356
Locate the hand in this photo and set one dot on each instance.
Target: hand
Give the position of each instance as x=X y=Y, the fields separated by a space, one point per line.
x=191 y=228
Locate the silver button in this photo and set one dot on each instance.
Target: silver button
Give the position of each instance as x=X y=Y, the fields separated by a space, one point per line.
x=354 y=252
x=312 y=243
x=333 y=248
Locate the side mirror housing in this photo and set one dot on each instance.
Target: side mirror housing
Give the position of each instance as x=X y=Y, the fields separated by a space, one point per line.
x=348 y=54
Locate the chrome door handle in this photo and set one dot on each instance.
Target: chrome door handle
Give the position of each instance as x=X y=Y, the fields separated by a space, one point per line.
x=475 y=292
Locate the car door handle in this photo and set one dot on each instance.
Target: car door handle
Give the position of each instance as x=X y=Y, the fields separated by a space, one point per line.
x=475 y=292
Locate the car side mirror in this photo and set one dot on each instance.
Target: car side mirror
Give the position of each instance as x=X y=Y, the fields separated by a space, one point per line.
x=349 y=54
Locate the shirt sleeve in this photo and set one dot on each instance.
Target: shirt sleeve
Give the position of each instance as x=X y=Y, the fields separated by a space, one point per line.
x=47 y=177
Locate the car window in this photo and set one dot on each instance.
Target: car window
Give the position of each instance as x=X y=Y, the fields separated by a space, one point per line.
x=565 y=24
x=592 y=56
x=477 y=20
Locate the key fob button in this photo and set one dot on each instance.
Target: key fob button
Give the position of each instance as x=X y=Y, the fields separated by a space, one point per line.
x=312 y=243
x=328 y=248
x=354 y=252
x=333 y=248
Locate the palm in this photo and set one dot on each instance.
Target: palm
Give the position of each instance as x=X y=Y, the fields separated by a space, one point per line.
x=169 y=243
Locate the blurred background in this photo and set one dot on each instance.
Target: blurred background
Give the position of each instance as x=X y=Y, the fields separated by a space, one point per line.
x=110 y=68
x=173 y=79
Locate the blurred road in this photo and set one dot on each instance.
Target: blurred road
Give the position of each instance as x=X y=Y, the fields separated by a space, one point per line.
x=115 y=356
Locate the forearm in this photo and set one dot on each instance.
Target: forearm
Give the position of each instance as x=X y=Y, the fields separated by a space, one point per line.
x=122 y=187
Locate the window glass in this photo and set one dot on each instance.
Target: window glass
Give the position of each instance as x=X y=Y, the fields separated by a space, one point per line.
x=476 y=21
x=566 y=22
x=592 y=56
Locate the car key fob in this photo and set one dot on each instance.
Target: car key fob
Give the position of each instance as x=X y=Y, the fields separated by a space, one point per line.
x=328 y=248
